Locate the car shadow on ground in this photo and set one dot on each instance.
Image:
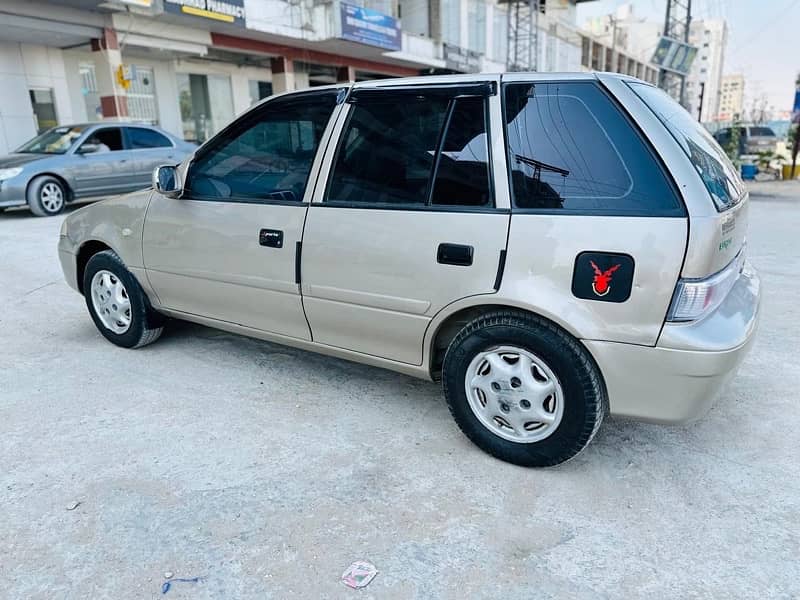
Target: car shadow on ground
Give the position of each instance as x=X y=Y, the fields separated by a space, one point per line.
x=616 y=445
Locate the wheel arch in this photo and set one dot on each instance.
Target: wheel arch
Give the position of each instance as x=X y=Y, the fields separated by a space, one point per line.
x=449 y=321
x=86 y=251
x=62 y=180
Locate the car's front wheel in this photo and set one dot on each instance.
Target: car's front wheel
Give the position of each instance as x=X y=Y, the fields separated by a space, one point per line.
x=522 y=389
x=117 y=304
x=46 y=196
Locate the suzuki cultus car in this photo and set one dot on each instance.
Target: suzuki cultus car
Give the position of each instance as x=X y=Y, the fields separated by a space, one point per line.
x=553 y=248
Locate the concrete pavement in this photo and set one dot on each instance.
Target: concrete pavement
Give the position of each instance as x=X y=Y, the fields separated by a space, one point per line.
x=268 y=470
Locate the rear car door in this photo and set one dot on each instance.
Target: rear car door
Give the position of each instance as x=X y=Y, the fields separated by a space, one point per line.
x=405 y=220
x=106 y=171
x=227 y=249
x=148 y=149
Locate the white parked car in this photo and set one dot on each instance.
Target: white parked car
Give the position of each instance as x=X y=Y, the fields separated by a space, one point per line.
x=552 y=247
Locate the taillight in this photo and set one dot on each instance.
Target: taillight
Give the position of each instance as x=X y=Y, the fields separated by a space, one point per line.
x=695 y=298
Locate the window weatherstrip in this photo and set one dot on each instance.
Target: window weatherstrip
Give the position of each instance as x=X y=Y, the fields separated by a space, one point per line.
x=457 y=90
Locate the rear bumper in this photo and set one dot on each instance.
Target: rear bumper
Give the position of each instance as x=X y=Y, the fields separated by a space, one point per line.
x=678 y=380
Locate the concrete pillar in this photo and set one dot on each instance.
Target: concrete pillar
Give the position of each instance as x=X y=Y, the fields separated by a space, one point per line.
x=282 y=75
x=108 y=59
x=345 y=74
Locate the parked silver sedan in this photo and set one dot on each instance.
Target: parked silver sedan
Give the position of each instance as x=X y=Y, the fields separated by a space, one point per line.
x=73 y=162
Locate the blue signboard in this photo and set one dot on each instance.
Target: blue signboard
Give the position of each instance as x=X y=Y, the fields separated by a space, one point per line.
x=371 y=27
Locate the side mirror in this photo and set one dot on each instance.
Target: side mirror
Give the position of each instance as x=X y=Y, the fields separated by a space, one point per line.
x=88 y=148
x=166 y=181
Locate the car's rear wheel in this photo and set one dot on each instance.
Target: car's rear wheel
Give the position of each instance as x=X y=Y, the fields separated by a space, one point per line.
x=117 y=304
x=47 y=196
x=522 y=389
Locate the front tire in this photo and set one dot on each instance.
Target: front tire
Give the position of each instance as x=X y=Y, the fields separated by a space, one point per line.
x=47 y=196
x=522 y=389
x=117 y=304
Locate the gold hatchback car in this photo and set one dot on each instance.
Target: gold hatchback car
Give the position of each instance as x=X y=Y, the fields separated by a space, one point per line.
x=552 y=247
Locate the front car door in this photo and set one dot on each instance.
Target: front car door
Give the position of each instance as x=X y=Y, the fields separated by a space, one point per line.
x=148 y=149
x=108 y=169
x=407 y=221
x=227 y=249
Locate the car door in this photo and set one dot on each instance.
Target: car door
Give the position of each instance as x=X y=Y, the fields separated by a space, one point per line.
x=149 y=148
x=108 y=169
x=227 y=249
x=407 y=220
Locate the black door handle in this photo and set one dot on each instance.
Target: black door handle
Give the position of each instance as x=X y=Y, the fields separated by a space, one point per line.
x=454 y=254
x=272 y=238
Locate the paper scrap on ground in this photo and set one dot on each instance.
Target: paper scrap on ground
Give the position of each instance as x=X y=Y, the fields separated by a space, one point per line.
x=359 y=574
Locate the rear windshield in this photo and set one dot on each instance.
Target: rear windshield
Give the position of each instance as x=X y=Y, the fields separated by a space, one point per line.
x=715 y=168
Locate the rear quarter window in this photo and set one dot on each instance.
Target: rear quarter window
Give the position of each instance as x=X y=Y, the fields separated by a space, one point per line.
x=570 y=148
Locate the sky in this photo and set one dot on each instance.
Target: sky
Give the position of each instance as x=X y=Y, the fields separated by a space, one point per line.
x=763 y=40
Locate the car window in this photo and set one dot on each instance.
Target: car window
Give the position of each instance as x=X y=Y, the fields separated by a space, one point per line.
x=139 y=137
x=386 y=153
x=570 y=147
x=53 y=141
x=462 y=173
x=709 y=160
x=265 y=155
x=108 y=139
x=762 y=131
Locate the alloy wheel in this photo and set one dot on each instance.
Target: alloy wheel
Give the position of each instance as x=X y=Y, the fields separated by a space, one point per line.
x=52 y=197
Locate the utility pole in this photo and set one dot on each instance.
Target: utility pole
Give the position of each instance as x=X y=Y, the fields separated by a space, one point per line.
x=700 y=107
x=523 y=34
x=677 y=22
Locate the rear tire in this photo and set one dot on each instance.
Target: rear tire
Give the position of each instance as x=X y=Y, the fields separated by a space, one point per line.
x=117 y=304
x=522 y=389
x=47 y=196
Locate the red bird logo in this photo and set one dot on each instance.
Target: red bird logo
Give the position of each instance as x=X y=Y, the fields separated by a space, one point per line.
x=601 y=284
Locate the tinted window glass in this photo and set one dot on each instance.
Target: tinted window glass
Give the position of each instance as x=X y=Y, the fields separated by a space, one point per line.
x=387 y=150
x=138 y=137
x=762 y=131
x=570 y=147
x=462 y=175
x=267 y=154
x=712 y=164
x=108 y=139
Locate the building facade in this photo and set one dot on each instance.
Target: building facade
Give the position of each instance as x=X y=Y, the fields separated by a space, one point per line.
x=703 y=84
x=731 y=100
x=190 y=66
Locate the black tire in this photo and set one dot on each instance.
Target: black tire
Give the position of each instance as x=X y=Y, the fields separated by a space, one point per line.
x=585 y=402
x=42 y=191
x=146 y=324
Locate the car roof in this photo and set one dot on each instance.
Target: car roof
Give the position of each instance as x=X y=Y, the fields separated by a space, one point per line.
x=478 y=77
x=95 y=124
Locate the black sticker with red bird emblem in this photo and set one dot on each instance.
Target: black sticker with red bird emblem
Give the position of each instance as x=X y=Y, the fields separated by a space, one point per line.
x=604 y=276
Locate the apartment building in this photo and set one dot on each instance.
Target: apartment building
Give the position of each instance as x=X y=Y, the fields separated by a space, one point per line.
x=731 y=100
x=703 y=84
